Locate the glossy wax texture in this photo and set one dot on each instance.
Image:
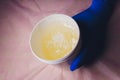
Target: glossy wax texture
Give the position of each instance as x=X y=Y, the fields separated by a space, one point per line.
x=93 y=25
x=54 y=40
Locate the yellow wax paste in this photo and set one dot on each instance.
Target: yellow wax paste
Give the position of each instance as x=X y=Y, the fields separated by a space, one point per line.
x=54 y=41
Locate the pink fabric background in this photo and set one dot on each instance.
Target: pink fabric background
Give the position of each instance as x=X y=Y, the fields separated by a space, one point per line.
x=17 y=18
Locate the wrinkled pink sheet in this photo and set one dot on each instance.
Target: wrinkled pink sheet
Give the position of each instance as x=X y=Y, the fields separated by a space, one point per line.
x=17 y=18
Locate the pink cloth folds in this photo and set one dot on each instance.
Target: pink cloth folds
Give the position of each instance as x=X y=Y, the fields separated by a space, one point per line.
x=17 y=19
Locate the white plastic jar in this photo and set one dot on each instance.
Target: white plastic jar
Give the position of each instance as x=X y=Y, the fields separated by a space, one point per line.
x=35 y=34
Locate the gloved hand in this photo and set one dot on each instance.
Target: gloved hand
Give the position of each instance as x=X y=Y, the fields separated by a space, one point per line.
x=93 y=26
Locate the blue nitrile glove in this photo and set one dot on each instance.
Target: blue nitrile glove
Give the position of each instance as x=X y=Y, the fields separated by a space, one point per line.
x=93 y=28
